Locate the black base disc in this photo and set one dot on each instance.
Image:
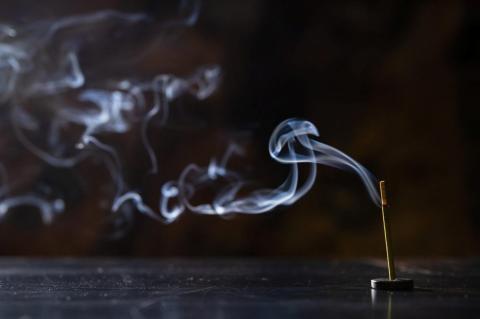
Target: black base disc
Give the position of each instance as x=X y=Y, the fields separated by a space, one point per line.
x=396 y=284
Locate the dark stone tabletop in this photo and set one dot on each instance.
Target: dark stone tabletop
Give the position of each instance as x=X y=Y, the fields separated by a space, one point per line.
x=233 y=288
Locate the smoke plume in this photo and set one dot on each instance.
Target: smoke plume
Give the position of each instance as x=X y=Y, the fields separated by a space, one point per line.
x=60 y=109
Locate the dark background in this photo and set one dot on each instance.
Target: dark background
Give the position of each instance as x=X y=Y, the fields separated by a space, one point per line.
x=395 y=84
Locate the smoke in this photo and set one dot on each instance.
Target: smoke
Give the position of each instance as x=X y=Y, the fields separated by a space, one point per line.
x=61 y=109
x=293 y=143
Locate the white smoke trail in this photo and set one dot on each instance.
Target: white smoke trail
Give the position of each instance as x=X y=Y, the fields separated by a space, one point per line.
x=42 y=62
x=166 y=88
x=293 y=142
x=47 y=208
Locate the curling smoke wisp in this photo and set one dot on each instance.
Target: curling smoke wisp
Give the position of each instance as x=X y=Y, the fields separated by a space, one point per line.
x=293 y=142
x=60 y=110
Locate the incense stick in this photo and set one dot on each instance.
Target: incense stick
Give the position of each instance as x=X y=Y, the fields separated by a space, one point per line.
x=386 y=231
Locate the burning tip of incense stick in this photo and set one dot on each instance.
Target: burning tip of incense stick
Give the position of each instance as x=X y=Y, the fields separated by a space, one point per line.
x=383 y=194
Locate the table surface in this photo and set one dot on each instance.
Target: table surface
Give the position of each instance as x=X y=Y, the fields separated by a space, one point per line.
x=233 y=288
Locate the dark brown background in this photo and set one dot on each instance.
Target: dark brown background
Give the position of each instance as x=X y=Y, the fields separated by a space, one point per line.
x=393 y=83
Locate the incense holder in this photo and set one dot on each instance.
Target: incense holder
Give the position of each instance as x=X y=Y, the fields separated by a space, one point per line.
x=395 y=284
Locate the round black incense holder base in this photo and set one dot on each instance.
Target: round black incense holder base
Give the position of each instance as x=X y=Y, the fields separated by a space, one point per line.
x=396 y=284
